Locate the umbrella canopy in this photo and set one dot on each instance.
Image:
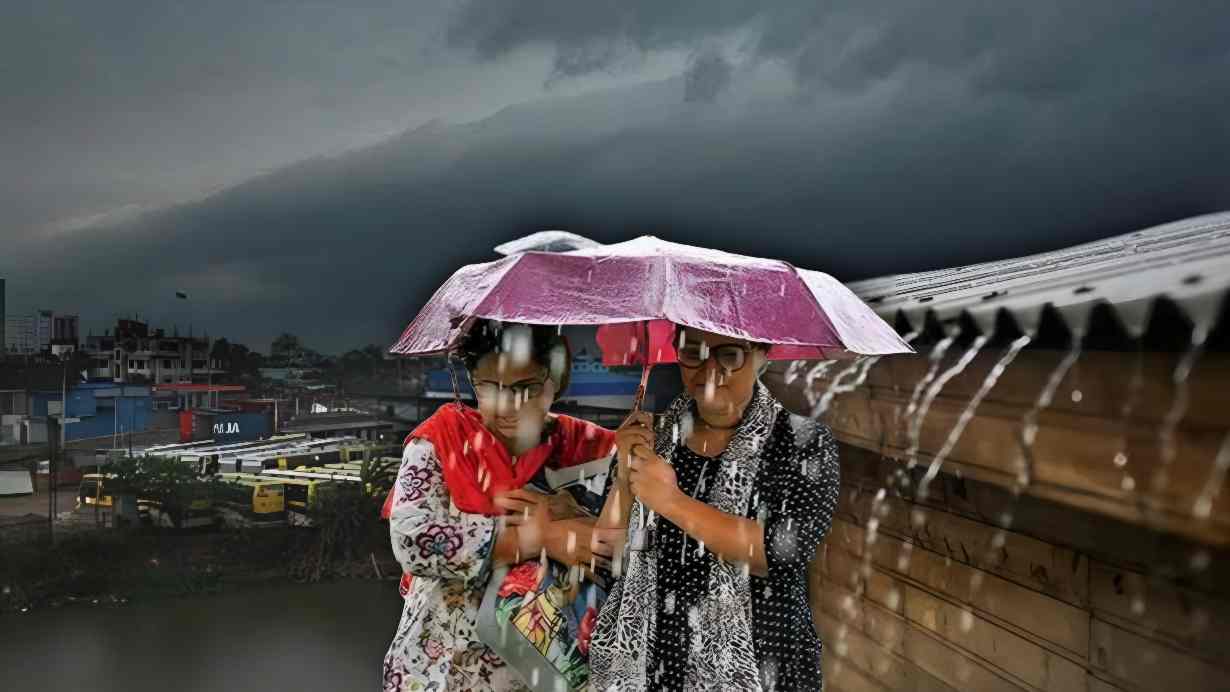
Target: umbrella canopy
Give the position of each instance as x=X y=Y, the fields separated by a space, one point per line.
x=641 y=287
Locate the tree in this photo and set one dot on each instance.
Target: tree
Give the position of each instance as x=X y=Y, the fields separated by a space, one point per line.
x=286 y=349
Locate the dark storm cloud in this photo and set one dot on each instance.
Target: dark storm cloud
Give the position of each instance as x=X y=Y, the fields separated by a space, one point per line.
x=708 y=74
x=152 y=101
x=1038 y=49
x=859 y=140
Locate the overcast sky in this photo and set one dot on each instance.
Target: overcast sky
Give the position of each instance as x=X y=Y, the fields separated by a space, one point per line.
x=300 y=167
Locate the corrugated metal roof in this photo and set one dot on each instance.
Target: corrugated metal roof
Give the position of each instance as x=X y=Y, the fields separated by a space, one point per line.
x=1185 y=261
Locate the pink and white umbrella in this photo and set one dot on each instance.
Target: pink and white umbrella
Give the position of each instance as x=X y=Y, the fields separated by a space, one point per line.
x=637 y=290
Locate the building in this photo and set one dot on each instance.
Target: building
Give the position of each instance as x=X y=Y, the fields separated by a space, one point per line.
x=19 y=335
x=98 y=410
x=134 y=353
x=1038 y=500
x=45 y=332
x=4 y=339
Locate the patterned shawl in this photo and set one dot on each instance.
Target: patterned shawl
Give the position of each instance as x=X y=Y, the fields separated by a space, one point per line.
x=721 y=656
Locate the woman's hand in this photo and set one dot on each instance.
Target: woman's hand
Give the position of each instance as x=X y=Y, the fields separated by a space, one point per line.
x=636 y=434
x=529 y=513
x=653 y=481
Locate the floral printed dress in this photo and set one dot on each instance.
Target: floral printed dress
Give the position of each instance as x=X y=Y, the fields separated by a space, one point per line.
x=448 y=552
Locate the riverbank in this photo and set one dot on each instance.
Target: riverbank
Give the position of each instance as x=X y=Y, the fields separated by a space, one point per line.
x=267 y=636
x=110 y=567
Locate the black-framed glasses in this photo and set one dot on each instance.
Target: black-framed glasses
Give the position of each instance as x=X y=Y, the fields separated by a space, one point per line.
x=495 y=391
x=729 y=357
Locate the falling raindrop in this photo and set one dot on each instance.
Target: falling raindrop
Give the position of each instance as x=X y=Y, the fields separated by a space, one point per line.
x=932 y=392
x=998 y=540
x=1201 y=560
x=1029 y=422
x=903 y=558
x=975 y=581
x=1135 y=386
x=963 y=670
x=966 y=415
x=792 y=372
x=859 y=369
x=1138 y=605
x=1128 y=484
x=937 y=355
x=1203 y=506
x=893 y=600
x=967 y=621
x=1077 y=396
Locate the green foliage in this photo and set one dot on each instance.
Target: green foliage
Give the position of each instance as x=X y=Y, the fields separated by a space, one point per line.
x=378 y=475
x=163 y=479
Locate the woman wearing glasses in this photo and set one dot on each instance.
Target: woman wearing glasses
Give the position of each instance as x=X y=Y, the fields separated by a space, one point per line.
x=459 y=505
x=726 y=501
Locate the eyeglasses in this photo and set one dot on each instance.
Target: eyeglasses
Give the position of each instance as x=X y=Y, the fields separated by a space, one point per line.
x=495 y=391
x=729 y=357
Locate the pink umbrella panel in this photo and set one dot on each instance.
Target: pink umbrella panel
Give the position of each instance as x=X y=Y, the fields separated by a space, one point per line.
x=637 y=290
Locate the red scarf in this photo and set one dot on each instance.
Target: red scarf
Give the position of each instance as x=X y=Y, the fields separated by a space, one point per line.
x=477 y=466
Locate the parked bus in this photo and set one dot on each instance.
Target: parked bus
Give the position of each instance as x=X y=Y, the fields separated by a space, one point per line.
x=285 y=457
x=367 y=452
x=304 y=488
x=249 y=500
x=206 y=459
x=100 y=489
x=95 y=490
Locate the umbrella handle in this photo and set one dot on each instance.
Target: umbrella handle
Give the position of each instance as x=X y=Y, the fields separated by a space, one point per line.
x=639 y=398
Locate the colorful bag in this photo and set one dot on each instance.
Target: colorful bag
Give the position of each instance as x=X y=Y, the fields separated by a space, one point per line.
x=539 y=619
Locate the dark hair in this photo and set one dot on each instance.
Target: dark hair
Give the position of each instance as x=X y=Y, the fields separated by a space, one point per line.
x=754 y=345
x=488 y=336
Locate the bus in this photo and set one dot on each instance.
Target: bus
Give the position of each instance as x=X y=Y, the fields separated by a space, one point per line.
x=304 y=487
x=100 y=490
x=250 y=500
x=206 y=459
x=285 y=457
x=95 y=490
x=367 y=452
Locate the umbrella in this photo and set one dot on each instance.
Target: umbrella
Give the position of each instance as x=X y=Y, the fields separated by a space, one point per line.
x=637 y=290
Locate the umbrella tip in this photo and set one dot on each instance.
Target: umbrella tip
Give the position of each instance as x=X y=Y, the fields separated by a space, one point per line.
x=546 y=241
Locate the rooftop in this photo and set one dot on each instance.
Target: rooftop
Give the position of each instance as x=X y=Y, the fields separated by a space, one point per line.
x=1184 y=265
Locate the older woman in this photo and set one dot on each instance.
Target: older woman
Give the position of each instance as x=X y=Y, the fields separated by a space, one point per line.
x=726 y=502
x=464 y=468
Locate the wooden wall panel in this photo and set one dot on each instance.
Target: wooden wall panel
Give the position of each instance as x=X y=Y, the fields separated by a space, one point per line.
x=1078 y=438
x=1165 y=611
x=1135 y=662
x=1022 y=658
x=1035 y=564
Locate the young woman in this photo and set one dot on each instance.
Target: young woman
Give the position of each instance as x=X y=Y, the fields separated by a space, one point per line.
x=458 y=505
x=726 y=503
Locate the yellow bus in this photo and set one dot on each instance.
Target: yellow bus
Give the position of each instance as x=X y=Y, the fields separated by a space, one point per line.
x=246 y=499
x=95 y=490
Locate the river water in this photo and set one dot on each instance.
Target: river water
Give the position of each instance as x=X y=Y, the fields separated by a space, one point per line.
x=292 y=637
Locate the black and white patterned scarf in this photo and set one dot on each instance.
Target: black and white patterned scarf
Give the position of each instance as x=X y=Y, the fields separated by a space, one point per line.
x=721 y=654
